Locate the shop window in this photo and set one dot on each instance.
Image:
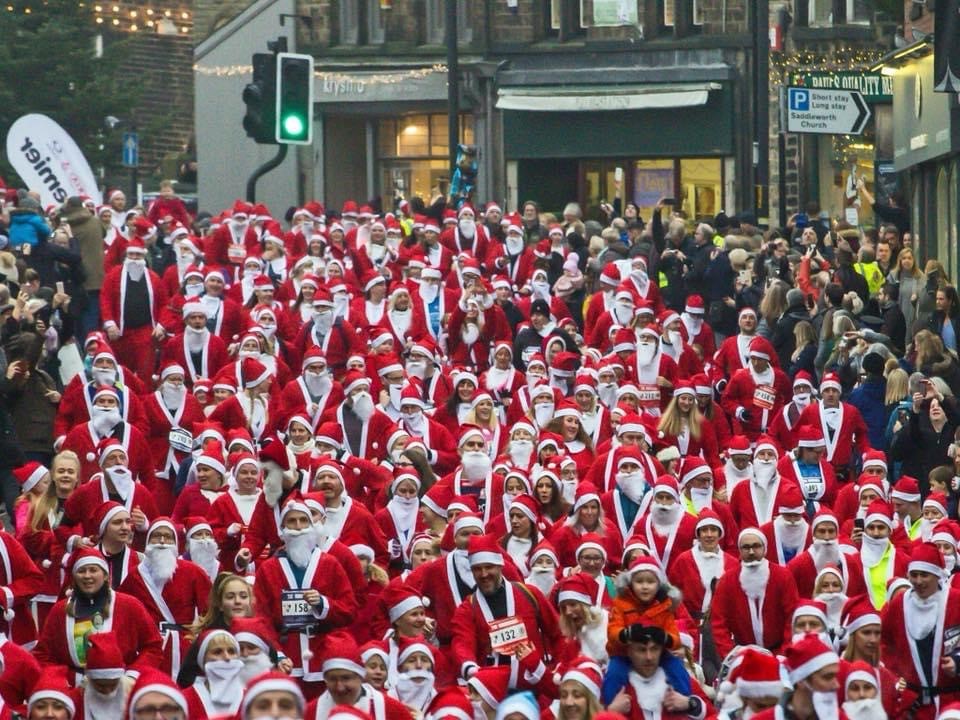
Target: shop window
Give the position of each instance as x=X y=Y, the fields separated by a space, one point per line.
x=701 y=187
x=608 y=13
x=567 y=17
x=954 y=210
x=412 y=154
x=652 y=180
x=823 y=13
x=376 y=23
x=349 y=22
x=437 y=22
x=668 y=8
x=669 y=12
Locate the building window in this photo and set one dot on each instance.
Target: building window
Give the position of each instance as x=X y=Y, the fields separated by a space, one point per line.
x=437 y=22
x=608 y=13
x=859 y=12
x=820 y=12
x=697 y=12
x=669 y=11
x=568 y=16
x=412 y=151
x=376 y=23
x=349 y=22
x=943 y=220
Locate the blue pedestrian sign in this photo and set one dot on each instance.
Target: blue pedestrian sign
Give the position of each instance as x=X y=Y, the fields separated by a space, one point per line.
x=131 y=149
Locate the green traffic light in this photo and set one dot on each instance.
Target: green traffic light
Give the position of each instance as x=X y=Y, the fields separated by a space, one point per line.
x=293 y=125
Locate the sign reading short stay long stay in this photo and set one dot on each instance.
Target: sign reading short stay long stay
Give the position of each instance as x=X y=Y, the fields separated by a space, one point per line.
x=826 y=112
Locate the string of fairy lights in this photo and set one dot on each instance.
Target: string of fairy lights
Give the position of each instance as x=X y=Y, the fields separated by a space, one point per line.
x=126 y=16
x=390 y=78
x=834 y=60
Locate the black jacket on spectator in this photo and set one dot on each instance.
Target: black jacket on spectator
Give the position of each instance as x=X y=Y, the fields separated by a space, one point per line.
x=894 y=326
x=783 y=340
x=920 y=447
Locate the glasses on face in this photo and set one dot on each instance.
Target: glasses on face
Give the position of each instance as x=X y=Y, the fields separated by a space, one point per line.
x=164 y=712
x=752 y=547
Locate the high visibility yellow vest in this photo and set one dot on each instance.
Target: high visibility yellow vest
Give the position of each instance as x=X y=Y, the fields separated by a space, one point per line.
x=872 y=274
x=878 y=576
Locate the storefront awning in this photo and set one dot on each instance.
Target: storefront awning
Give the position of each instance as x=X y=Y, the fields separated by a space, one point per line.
x=587 y=98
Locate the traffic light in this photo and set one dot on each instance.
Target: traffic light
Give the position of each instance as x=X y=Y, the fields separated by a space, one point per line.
x=294 y=109
x=260 y=98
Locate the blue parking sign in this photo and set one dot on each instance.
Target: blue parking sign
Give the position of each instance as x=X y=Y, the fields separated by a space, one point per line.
x=799 y=99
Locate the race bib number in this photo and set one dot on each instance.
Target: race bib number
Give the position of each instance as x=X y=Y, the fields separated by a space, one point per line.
x=951 y=639
x=296 y=611
x=812 y=488
x=506 y=634
x=169 y=627
x=180 y=440
x=649 y=395
x=764 y=397
x=236 y=254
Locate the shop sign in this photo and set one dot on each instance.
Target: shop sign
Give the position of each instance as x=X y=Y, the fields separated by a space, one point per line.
x=353 y=87
x=874 y=87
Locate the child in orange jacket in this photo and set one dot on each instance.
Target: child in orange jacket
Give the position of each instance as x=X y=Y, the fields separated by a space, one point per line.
x=642 y=600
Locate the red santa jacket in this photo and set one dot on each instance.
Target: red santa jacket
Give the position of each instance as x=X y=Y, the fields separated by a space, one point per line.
x=731 y=616
x=416 y=330
x=83 y=440
x=74 y=407
x=160 y=421
x=823 y=490
x=339 y=344
x=850 y=437
x=783 y=429
x=223 y=247
x=359 y=528
x=135 y=630
x=20 y=673
x=473 y=618
x=653 y=398
x=667 y=547
x=804 y=571
x=113 y=293
x=213 y=356
x=730 y=357
x=743 y=503
x=478 y=245
x=232 y=415
x=295 y=399
x=372 y=704
x=228 y=321
x=20 y=580
x=230 y=517
x=687 y=576
x=179 y=601
x=372 y=443
x=83 y=502
x=762 y=402
x=565 y=539
x=338 y=606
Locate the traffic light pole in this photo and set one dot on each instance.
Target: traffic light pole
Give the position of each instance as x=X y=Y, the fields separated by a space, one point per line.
x=263 y=170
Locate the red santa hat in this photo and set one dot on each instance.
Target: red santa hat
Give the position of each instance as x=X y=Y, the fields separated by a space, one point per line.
x=947 y=531
x=272 y=682
x=467 y=519
x=624 y=340
x=858 y=670
x=666 y=484
x=313 y=356
x=192 y=305
x=802 y=378
x=870 y=482
x=808 y=656
x=810 y=436
x=592 y=541
x=52 y=684
x=544 y=549
x=399 y=599
x=29 y=474
x=491 y=684
x=171 y=368
x=695 y=305
x=879 y=511
x=106 y=391
x=104 y=513
x=684 y=387
x=104 y=659
x=646 y=563
x=411 y=645
x=451 y=704
x=937 y=501
x=483 y=550
x=708 y=517
x=907 y=489
x=950 y=711
x=761 y=348
x=212 y=457
x=830 y=380
x=342 y=653
x=375 y=648
x=824 y=515
x=578 y=587
x=755 y=532
x=84 y=556
x=635 y=542
x=874 y=458
x=253 y=372
x=693 y=466
x=527 y=505
x=765 y=442
x=354 y=379
x=467 y=431
x=757 y=675
x=790 y=500
x=926 y=557
x=162 y=522
x=262 y=282
x=738 y=445
x=255 y=631
x=810 y=608
x=585 y=671
x=194 y=524
x=586 y=492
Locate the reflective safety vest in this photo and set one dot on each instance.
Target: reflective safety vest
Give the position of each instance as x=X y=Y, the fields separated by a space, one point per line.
x=878 y=576
x=872 y=274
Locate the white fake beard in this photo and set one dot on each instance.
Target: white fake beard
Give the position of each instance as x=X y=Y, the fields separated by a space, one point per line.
x=645 y=353
x=254 y=665
x=401 y=320
x=476 y=465
x=520 y=452
x=801 y=400
x=468 y=228
x=104 y=419
x=926 y=528
x=363 y=406
x=428 y=292
x=172 y=395
x=542 y=578
x=593 y=638
x=754 y=577
x=322 y=322
x=414 y=688
x=834 y=602
x=665 y=517
x=622 y=313
x=196 y=339
x=160 y=561
x=920 y=616
x=318 y=384
x=866 y=709
x=461 y=562
x=608 y=394
x=223 y=679
x=135 y=269
x=872 y=549
x=650 y=691
x=122 y=480
x=543 y=413
x=514 y=245
x=825 y=552
x=204 y=552
x=272 y=485
x=470 y=333
x=732 y=471
x=415 y=422
x=99 y=705
x=701 y=498
x=299 y=545
x=764 y=472
x=104 y=376
x=633 y=485
x=792 y=536
x=694 y=324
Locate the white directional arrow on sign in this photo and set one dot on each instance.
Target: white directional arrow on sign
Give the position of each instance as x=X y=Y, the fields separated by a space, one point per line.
x=827 y=112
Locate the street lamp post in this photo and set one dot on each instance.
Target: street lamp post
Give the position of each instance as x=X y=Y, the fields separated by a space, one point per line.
x=453 y=83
